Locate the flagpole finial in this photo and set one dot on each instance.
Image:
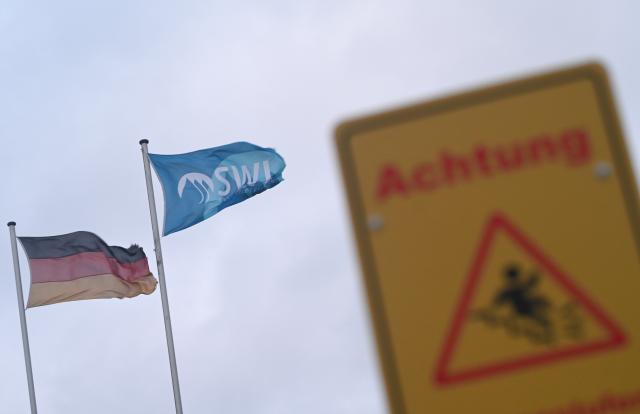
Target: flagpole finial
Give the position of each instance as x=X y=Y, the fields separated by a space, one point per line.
x=144 y=141
x=11 y=223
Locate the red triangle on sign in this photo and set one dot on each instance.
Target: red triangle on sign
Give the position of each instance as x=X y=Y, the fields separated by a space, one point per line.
x=499 y=223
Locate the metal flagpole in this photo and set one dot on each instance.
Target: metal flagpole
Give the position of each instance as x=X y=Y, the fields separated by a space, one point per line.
x=163 y=287
x=23 y=319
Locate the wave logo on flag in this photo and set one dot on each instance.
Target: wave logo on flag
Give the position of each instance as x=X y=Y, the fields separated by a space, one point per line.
x=199 y=184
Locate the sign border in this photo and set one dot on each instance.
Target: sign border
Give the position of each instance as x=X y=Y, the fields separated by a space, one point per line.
x=593 y=71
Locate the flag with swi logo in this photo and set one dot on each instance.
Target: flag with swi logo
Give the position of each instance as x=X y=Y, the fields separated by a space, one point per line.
x=199 y=184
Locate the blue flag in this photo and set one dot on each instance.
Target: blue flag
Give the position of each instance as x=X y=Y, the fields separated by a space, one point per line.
x=199 y=184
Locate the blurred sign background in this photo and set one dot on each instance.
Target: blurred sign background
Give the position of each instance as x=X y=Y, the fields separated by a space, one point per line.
x=498 y=231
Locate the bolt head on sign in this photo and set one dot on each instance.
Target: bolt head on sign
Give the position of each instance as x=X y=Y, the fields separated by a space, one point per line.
x=507 y=277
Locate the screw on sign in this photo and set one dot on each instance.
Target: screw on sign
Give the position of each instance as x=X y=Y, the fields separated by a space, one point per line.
x=507 y=265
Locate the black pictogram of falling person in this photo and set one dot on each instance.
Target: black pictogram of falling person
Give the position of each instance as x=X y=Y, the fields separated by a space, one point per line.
x=528 y=312
x=519 y=293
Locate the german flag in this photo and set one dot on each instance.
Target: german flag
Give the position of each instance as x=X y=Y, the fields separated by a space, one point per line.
x=80 y=265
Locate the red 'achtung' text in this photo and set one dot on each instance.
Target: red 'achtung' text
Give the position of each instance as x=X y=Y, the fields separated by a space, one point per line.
x=570 y=147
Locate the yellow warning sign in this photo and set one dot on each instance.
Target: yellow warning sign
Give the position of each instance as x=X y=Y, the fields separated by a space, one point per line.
x=499 y=237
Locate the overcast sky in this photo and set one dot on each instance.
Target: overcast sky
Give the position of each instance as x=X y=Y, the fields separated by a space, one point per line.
x=268 y=308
